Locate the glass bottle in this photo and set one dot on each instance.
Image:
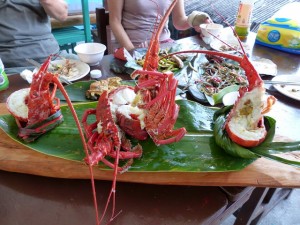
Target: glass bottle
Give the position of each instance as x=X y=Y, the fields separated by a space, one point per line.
x=243 y=19
x=3 y=77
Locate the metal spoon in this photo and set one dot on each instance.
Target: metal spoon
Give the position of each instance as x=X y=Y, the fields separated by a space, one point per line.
x=297 y=83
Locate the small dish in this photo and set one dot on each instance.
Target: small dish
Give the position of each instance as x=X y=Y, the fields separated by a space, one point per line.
x=234 y=45
x=265 y=66
x=96 y=74
x=210 y=31
x=81 y=69
x=90 y=53
x=291 y=91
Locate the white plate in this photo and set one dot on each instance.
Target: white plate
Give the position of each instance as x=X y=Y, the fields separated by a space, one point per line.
x=221 y=47
x=265 y=66
x=81 y=69
x=291 y=91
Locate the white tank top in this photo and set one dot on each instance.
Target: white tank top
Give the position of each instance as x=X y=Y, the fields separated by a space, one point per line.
x=139 y=18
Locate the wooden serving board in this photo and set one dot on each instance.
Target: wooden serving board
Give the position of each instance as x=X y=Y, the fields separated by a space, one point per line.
x=15 y=157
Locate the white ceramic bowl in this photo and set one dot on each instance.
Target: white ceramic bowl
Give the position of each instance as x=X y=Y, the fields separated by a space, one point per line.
x=211 y=28
x=90 y=53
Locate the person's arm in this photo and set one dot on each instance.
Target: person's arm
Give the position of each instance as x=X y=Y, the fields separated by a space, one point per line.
x=115 y=8
x=57 y=9
x=183 y=22
x=179 y=19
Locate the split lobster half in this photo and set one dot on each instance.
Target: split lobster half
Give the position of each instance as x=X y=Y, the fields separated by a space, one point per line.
x=36 y=109
x=105 y=138
x=147 y=110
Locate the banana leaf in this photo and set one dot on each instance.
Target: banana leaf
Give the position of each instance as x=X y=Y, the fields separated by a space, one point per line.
x=196 y=152
x=76 y=91
x=266 y=149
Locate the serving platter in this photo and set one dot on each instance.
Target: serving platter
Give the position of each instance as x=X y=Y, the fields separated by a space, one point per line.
x=183 y=74
x=78 y=70
x=291 y=91
x=218 y=45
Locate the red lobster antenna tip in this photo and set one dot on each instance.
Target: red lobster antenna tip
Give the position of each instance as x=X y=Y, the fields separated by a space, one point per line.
x=156 y=19
x=164 y=19
x=72 y=109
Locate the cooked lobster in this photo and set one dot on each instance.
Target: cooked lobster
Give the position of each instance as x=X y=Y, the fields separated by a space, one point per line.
x=151 y=111
x=36 y=109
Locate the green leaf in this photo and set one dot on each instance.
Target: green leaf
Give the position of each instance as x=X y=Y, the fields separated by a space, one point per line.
x=196 y=152
x=76 y=91
x=265 y=149
x=227 y=144
x=276 y=158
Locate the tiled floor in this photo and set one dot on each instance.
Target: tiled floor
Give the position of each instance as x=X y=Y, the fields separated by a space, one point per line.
x=285 y=213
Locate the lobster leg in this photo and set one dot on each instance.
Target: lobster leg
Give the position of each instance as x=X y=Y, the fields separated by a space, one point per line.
x=105 y=138
x=135 y=153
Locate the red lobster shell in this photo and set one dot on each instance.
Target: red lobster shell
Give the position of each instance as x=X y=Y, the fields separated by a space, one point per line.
x=36 y=110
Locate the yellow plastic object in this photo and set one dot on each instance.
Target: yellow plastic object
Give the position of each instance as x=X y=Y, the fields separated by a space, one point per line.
x=282 y=31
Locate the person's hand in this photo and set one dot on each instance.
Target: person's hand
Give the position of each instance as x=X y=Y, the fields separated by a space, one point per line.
x=196 y=18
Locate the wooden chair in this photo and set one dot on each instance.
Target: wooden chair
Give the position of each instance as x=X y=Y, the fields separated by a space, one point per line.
x=102 y=21
x=69 y=36
x=261 y=202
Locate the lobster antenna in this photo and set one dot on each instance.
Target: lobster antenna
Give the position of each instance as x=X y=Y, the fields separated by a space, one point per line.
x=227 y=23
x=156 y=22
x=72 y=109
